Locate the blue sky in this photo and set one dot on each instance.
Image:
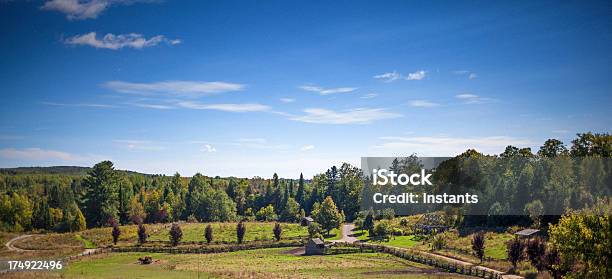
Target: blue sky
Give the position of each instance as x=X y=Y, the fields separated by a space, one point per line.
x=249 y=88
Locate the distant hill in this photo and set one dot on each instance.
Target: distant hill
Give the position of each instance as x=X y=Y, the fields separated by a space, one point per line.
x=65 y=170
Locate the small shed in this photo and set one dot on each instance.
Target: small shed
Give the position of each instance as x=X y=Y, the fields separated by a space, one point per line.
x=315 y=246
x=527 y=233
x=307 y=221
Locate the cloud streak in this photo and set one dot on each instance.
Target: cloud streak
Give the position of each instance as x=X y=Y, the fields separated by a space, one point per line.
x=393 y=76
x=470 y=99
x=246 y=107
x=327 y=91
x=86 y=105
x=423 y=104
x=116 y=42
x=418 y=75
x=388 y=77
x=83 y=9
x=353 y=116
x=209 y=148
x=190 y=89
x=307 y=147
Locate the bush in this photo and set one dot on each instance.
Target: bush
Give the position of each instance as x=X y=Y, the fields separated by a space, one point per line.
x=478 y=245
x=536 y=250
x=240 y=231
x=277 y=231
x=116 y=232
x=266 y=214
x=438 y=242
x=192 y=219
x=515 y=252
x=368 y=222
x=314 y=230
x=176 y=234
x=388 y=214
x=142 y=234
x=554 y=264
x=383 y=229
x=584 y=238
x=208 y=234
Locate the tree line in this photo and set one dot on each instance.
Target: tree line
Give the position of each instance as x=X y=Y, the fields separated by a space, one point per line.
x=103 y=196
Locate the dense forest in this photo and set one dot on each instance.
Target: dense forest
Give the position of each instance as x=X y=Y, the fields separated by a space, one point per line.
x=75 y=198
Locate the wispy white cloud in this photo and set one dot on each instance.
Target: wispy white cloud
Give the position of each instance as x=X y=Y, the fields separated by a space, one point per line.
x=307 y=147
x=247 y=107
x=192 y=89
x=287 y=100
x=369 y=96
x=84 y=9
x=466 y=96
x=472 y=76
x=353 y=116
x=388 y=77
x=153 y=106
x=393 y=76
x=423 y=104
x=116 y=42
x=88 y=105
x=327 y=91
x=418 y=75
x=209 y=148
x=473 y=99
x=448 y=146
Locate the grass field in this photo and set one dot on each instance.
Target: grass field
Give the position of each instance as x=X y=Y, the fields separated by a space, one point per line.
x=495 y=243
x=264 y=263
x=226 y=232
x=101 y=237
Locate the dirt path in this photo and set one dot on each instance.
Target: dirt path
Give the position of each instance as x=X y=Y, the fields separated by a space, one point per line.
x=10 y=244
x=347 y=234
x=460 y=262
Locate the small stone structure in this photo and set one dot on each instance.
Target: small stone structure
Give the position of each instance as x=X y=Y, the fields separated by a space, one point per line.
x=315 y=246
x=306 y=221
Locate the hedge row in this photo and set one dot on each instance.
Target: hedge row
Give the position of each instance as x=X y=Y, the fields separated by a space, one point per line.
x=208 y=249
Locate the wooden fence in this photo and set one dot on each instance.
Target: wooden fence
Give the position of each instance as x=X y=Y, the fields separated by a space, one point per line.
x=448 y=265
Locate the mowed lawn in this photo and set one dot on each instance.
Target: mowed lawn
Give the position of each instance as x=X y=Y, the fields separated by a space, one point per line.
x=226 y=232
x=263 y=263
